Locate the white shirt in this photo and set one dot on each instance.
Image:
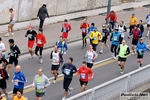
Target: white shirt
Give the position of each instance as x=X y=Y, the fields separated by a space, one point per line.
x=2 y=47
x=90 y=56
x=121 y=29
x=55 y=58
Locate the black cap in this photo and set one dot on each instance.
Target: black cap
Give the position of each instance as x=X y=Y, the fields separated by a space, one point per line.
x=71 y=59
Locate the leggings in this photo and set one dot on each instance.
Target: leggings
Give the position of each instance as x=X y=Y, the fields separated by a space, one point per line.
x=114 y=49
x=84 y=39
x=37 y=49
x=66 y=83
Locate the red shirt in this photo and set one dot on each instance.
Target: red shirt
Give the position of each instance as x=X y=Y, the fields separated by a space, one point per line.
x=112 y=16
x=40 y=40
x=136 y=33
x=85 y=74
x=66 y=28
x=84 y=27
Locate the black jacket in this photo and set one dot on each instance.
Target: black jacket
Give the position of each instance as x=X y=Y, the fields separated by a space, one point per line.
x=42 y=13
x=141 y=27
x=4 y=74
x=15 y=51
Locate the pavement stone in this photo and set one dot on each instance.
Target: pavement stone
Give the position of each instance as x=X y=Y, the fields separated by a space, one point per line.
x=53 y=31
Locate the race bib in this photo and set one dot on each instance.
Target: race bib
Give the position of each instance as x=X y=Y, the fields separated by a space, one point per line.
x=67 y=71
x=133 y=21
x=83 y=30
x=59 y=49
x=94 y=37
x=30 y=36
x=39 y=41
x=54 y=60
x=64 y=29
x=38 y=86
x=16 y=83
x=83 y=76
x=103 y=34
x=115 y=38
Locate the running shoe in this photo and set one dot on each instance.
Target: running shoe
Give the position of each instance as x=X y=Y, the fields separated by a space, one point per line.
x=54 y=81
x=6 y=35
x=70 y=91
x=41 y=61
x=101 y=51
x=12 y=34
x=31 y=57
x=64 y=98
x=114 y=58
x=121 y=72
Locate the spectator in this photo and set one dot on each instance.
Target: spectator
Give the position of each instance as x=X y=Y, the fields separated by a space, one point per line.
x=2 y=48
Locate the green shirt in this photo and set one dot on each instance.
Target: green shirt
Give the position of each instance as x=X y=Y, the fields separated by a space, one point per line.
x=38 y=84
x=123 y=51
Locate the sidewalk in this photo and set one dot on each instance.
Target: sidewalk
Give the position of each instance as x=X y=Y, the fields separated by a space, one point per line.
x=52 y=32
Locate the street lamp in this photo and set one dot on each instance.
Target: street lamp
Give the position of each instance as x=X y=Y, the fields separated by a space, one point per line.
x=108 y=9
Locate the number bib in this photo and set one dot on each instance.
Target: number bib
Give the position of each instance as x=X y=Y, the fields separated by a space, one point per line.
x=83 y=30
x=39 y=41
x=67 y=71
x=115 y=38
x=16 y=83
x=83 y=76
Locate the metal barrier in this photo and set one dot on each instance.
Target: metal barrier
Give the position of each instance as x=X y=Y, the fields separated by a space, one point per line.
x=114 y=87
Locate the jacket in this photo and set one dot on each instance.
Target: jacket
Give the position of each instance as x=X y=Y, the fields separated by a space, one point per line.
x=95 y=37
x=22 y=79
x=62 y=46
x=112 y=16
x=91 y=29
x=141 y=47
x=133 y=21
x=68 y=70
x=84 y=27
x=141 y=27
x=136 y=33
x=4 y=75
x=16 y=98
x=148 y=19
x=45 y=82
x=14 y=51
x=42 y=13
x=66 y=28
x=40 y=40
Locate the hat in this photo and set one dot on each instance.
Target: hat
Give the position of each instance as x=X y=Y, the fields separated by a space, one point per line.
x=104 y=25
x=30 y=26
x=71 y=59
x=141 y=38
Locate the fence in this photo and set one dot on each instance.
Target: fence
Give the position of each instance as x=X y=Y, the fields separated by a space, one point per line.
x=114 y=87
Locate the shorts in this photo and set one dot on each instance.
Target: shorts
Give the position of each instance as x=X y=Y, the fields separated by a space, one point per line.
x=39 y=94
x=30 y=43
x=83 y=83
x=3 y=85
x=89 y=65
x=135 y=41
x=55 y=67
x=65 y=35
x=104 y=40
x=16 y=89
x=139 y=56
x=13 y=60
x=148 y=25
x=122 y=59
x=66 y=83
x=12 y=22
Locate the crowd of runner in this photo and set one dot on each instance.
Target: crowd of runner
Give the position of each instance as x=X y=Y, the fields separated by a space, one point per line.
x=115 y=31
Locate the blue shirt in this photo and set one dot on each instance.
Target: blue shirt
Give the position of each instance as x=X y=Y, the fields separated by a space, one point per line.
x=90 y=29
x=62 y=47
x=141 y=47
x=116 y=38
x=22 y=79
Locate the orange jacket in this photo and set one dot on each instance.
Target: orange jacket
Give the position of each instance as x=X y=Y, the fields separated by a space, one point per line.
x=40 y=40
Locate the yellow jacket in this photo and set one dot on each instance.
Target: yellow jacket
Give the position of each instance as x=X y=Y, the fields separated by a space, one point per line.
x=22 y=98
x=133 y=21
x=3 y=98
x=95 y=37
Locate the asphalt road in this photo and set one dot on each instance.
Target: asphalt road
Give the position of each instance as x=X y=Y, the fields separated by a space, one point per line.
x=103 y=72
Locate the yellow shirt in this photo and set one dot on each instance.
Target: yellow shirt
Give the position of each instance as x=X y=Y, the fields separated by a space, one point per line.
x=3 y=98
x=95 y=36
x=133 y=21
x=22 y=98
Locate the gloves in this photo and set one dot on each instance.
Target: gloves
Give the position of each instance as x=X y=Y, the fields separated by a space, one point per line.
x=125 y=54
x=99 y=40
x=64 y=53
x=142 y=51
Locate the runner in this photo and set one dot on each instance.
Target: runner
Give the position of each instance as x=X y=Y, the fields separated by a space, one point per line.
x=123 y=52
x=11 y=23
x=140 y=48
x=62 y=47
x=19 y=79
x=3 y=77
x=40 y=42
x=105 y=35
x=91 y=29
x=55 y=58
x=42 y=14
x=1 y=97
x=136 y=34
x=13 y=55
x=113 y=18
x=116 y=39
x=2 y=48
x=140 y=26
x=68 y=70
x=91 y=56
x=84 y=27
x=148 y=24
x=95 y=37
x=19 y=96
x=66 y=28
x=122 y=29
x=40 y=83
x=31 y=39
x=3 y=61
x=85 y=74
x=133 y=22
